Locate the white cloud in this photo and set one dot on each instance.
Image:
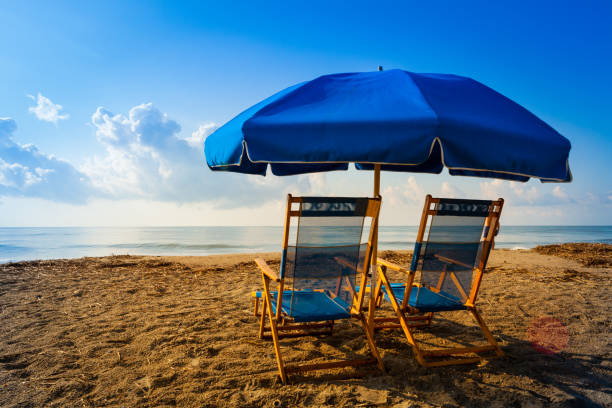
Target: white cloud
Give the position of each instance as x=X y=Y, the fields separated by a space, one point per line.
x=46 y=110
x=560 y=193
x=145 y=157
x=197 y=138
x=409 y=192
x=500 y=188
x=530 y=194
x=24 y=171
x=449 y=191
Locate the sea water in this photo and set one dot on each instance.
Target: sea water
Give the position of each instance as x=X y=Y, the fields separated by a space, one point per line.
x=18 y=244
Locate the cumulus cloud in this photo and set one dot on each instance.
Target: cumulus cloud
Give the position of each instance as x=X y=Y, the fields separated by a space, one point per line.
x=409 y=192
x=560 y=193
x=523 y=194
x=145 y=157
x=202 y=132
x=25 y=171
x=448 y=190
x=46 y=110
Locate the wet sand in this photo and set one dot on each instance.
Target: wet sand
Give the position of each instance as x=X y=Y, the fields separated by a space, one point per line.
x=180 y=331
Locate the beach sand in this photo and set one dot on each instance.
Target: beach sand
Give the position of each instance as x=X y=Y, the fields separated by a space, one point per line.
x=166 y=331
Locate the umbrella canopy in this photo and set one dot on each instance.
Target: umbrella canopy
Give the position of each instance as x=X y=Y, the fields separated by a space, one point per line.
x=396 y=120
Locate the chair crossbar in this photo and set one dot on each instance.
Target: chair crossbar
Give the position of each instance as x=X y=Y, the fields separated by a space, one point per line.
x=330 y=365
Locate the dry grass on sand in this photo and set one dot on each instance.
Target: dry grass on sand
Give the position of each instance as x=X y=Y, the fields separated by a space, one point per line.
x=152 y=331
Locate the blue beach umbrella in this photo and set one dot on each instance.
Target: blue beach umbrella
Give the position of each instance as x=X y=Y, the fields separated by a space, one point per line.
x=396 y=120
x=390 y=120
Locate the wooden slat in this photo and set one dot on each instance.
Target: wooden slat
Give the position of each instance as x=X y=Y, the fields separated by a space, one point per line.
x=329 y=365
x=373 y=207
x=369 y=258
x=262 y=321
x=454 y=361
x=412 y=318
x=489 y=243
x=385 y=319
x=459 y=287
x=279 y=358
x=459 y=350
x=399 y=326
x=452 y=261
x=263 y=266
x=420 y=235
x=388 y=326
x=486 y=331
x=395 y=319
x=288 y=220
x=392 y=266
x=284 y=335
x=369 y=332
x=304 y=326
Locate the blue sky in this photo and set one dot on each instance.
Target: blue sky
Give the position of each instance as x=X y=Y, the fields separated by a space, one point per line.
x=140 y=84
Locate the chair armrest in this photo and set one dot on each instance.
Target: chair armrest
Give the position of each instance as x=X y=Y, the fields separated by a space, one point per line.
x=263 y=266
x=453 y=261
x=392 y=266
x=344 y=262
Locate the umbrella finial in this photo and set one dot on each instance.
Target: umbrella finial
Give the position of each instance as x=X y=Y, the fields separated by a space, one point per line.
x=380 y=68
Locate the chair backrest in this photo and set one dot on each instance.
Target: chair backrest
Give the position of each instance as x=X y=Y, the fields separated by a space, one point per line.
x=453 y=245
x=327 y=246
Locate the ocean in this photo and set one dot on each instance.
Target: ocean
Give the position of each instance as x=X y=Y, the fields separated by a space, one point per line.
x=18 y=244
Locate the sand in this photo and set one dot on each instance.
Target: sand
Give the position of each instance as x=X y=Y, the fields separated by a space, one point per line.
x=179 y=331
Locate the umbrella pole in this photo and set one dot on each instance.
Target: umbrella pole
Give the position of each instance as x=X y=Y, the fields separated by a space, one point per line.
x=376 y=194
x=373 y=281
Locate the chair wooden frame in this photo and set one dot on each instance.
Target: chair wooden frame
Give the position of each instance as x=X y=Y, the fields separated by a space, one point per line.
x=408 y=318
x=281 y=325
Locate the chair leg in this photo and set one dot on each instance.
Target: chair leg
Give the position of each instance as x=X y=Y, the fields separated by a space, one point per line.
x=486 y=331
x=262 y=322
x=372 y=305
x=430 y=316
x=371 y=344
x=268 y=305
x=410 y=337
x=256 y=307
x=402 y=319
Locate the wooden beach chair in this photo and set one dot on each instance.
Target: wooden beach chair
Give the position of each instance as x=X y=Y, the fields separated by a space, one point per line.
x=324 y=262
x=451 y=260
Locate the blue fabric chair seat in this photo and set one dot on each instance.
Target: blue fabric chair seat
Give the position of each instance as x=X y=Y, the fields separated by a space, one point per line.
x=310 y=306
x=427 y=301
x=259 y=294
x=393 y=285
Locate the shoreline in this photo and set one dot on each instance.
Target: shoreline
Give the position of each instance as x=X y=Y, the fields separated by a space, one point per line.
x=210 y=258
x=275 y=255
x=22 y=244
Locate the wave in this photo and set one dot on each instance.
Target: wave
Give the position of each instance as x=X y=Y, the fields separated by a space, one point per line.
x=5 y=247
x=62 y=242
x=173 y=245
x=156 y=245
x=405 y=243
